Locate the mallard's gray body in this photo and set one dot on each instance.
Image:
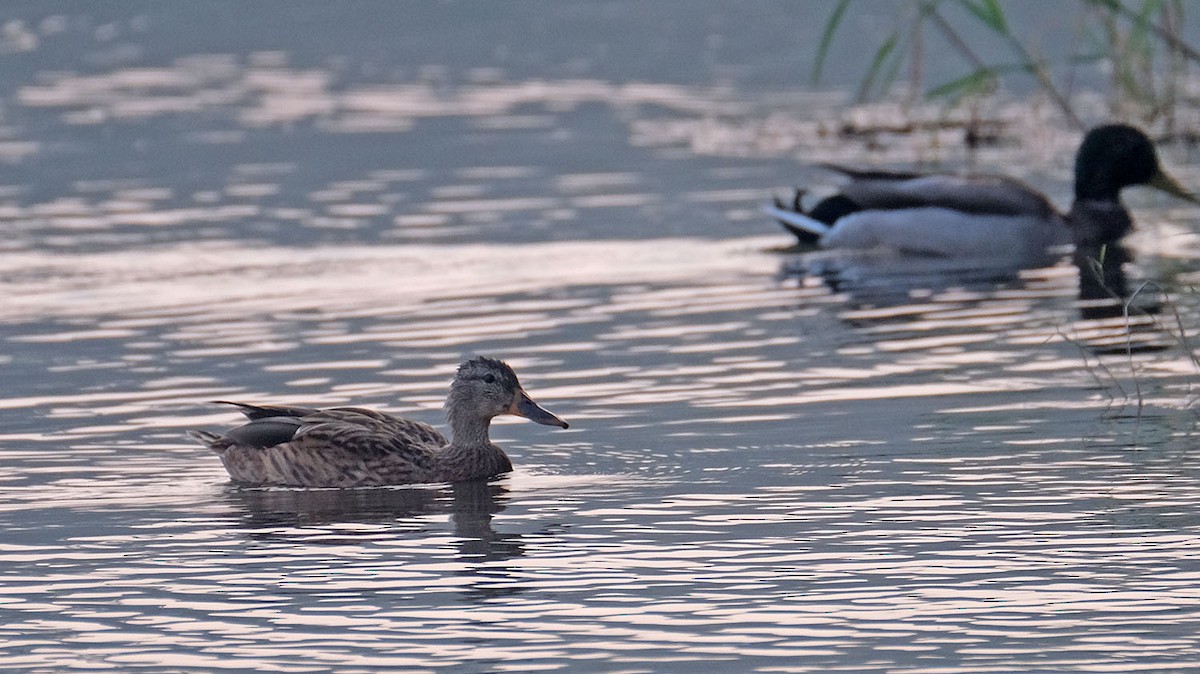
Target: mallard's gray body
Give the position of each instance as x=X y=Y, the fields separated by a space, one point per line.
x=982 y=216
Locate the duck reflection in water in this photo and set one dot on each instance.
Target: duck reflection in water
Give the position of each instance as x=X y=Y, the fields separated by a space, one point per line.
x=1116 y=320
x=313 y=516
x=1103 y=285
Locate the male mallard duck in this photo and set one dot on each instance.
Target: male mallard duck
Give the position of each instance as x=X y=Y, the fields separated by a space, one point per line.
x=982 y=216
x=353 y=447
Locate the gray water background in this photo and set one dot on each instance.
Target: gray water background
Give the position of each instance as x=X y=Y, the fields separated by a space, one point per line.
x=329 y=203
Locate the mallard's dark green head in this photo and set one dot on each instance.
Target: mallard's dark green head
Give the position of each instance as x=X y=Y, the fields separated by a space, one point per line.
x=1114 y=156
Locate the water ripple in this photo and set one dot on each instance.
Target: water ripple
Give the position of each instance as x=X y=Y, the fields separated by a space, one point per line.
x=844 y=466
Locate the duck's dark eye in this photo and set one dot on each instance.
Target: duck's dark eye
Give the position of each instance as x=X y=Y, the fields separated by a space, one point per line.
x=489 y=378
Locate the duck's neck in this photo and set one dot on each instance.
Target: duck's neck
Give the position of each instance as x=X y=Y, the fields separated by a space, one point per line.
x=471 y=454
x=1098 y=180
x=469 y=431
x=1099 y=222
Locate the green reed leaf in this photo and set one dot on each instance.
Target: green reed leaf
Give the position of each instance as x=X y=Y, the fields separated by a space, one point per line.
x=831 y=26
x=975 y=82
x=880 y=59
x=989 y=12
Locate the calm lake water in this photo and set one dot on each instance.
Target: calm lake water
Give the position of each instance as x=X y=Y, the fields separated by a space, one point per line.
x=776 y=462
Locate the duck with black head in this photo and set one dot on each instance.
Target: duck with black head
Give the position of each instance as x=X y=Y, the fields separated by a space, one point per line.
x=984 y=216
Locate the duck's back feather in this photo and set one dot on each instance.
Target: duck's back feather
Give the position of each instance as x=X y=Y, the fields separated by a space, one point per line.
x=977 y=195
x=339 y=447
x=368 y=429
x=263 y=411
x=870 y=174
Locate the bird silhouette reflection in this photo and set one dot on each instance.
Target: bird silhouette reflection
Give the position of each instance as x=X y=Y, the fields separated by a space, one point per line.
x=291 y=515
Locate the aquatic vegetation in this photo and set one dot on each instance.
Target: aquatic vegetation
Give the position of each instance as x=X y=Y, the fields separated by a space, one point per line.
x=1139 y=46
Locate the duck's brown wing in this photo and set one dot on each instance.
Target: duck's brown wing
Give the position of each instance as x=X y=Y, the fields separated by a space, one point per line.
x=347 y=447
x=369 y=429
x=342 y=447
x=358 y=427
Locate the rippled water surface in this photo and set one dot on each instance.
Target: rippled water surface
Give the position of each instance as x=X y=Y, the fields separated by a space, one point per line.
x=776 y=463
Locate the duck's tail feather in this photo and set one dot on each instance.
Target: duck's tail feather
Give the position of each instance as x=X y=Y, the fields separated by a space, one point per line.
x=263 y=411
x=211 y=440
x=801 y=225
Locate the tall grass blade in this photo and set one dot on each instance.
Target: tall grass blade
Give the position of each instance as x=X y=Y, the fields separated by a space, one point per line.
x=880 y=59
x=978 y=81
x=989 y=12
x=831 y=26
x=1171 y=39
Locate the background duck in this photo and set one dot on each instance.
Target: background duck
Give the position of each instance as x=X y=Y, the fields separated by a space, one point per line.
x=983 y=216
x=354 y=447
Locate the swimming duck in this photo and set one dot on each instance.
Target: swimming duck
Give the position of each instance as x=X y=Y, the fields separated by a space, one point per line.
x=354 y=447
x=982 y=216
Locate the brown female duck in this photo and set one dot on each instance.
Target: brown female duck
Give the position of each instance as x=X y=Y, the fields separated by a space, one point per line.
x=354 y=447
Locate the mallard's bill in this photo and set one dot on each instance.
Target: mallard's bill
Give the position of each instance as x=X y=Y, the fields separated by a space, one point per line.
x=523 y=406
x=1163 y=181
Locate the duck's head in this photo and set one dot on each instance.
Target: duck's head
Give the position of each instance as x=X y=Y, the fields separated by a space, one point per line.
x=485 y=388
x=1114 y=156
